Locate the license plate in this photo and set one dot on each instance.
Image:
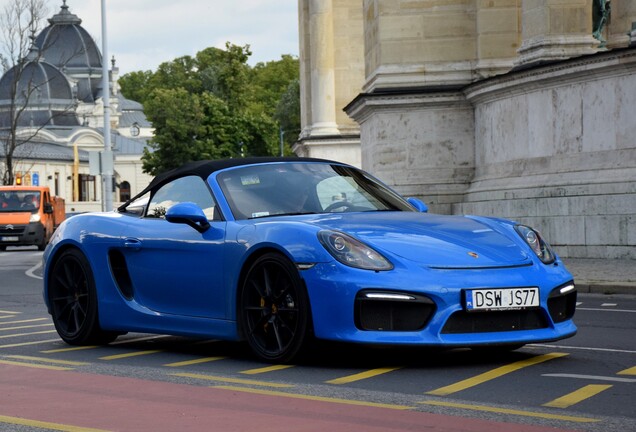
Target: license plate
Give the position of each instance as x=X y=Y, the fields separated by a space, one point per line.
x=502 y=299
x=10 y=238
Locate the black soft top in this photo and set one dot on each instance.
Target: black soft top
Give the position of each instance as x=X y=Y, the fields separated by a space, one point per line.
x=204 y=168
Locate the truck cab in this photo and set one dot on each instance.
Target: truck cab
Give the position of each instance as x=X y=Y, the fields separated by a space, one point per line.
x=28 y=216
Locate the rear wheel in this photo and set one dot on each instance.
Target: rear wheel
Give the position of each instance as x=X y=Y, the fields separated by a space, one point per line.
x=73 y=301
x=274 y=309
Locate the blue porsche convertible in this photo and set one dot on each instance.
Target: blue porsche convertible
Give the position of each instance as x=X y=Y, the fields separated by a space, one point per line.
x=277 y=251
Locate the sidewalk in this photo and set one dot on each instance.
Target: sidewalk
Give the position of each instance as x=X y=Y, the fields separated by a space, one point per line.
x=603 y=276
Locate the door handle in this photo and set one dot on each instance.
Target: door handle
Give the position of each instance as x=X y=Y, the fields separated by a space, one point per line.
x=132 y=243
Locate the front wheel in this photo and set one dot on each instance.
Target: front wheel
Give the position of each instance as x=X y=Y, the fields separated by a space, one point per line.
x=274 y=309
x=73 y=301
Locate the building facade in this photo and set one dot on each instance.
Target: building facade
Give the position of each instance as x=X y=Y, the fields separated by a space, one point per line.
x=512 y=108
x=55 y=96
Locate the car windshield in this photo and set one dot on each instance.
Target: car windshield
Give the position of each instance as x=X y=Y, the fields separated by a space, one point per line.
x=19 y=201
x=304 y=188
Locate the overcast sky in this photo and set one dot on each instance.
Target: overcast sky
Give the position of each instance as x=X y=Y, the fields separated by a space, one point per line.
x=144 y=33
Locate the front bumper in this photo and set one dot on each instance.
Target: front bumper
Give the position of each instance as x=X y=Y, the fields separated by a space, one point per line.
x=437 y=316
x=22 y=235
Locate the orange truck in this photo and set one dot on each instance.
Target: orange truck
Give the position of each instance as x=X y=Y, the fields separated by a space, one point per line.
x=28 y=216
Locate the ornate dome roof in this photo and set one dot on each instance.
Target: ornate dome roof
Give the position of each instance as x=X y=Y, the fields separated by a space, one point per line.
x=44 y=88
x=68 y=46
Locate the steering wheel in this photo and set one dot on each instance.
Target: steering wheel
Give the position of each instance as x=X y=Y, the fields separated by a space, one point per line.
x=338 y=204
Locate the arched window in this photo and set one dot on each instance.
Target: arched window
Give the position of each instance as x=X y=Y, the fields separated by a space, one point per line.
x=124 y=191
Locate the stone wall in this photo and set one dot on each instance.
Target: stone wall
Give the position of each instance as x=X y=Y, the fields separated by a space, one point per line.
x=555 y=147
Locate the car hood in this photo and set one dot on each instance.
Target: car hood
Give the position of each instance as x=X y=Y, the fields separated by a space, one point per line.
x=431 y=240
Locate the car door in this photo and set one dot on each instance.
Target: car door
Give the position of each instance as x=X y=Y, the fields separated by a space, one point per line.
x=175 y=269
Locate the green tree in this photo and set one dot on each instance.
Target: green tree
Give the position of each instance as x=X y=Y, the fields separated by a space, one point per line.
x=214 y=105
x=135 y=85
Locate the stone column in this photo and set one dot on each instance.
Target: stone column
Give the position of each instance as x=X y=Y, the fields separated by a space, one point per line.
x=555 y=30
x=321 y=46
x=622 y=22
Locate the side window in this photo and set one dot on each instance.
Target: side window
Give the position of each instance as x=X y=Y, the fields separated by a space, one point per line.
x=184 y=189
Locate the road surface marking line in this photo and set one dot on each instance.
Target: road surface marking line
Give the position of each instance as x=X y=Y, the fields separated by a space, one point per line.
x=233 y=380
x=7 y=316
x=266 y=369
x=140 y=339
x=47 y=360
x=63 y=350
x=130 y=354
x=577 y=396
x=583 y=348
x=195 y=361
x=630 y=371
x=10 y=312
x=492 y=374
x=25 y=327
x=46 y=425
x=607 y=310
x=28 y=343
x=609 y=305
x=35 y=366
x=484 y=408
x=27 y=334
x=30 y=272
x=315 y=398
x=23 y=321
x=592 y=377
x=362 y=375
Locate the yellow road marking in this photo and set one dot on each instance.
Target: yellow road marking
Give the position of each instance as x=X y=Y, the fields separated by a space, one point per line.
x=25 y=327
x=27 y=334
x=195 y=361
x=362 y=375
x=46 y=425
x=63 y=350
x=131 y=354
x=495 y=373
x=35 y=366
x=315 y=398
x=511 y=411
x=630 y=371
x=233 y=380
x=266 y=369
x=578 y=396
x=23 y=321
x=47 y=360
x=28 y=343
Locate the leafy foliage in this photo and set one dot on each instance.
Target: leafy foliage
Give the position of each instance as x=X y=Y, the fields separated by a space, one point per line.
x=214 y=105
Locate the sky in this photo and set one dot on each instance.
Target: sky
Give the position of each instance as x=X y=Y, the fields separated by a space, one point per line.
x=145 y=33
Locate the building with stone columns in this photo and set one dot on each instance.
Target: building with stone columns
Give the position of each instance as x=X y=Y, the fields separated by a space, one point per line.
x=522 y=109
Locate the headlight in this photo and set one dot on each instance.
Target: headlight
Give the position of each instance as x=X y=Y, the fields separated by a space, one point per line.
x=352 y=252
x=35 y=217
x=539 y=246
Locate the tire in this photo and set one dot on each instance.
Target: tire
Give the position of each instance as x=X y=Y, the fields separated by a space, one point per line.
x=273 y=308
x=73 y=300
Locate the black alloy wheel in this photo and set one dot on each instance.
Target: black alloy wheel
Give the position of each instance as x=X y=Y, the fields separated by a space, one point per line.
x=73 y=301
x=274 y=309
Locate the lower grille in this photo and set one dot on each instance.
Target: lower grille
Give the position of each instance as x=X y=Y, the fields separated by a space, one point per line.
x=497 y=321
x=383 y=313
x=561 y=305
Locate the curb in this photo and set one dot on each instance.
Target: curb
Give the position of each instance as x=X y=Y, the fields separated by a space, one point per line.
x=605 y=287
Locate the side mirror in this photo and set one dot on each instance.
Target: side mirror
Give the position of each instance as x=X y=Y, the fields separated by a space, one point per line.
x=190 y=214
x=48 y=208
x=419 y=205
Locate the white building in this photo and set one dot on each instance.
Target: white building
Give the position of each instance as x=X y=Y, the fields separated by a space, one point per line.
x=60 y=85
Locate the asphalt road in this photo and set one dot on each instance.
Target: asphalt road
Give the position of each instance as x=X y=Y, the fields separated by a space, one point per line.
x=164 y=383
